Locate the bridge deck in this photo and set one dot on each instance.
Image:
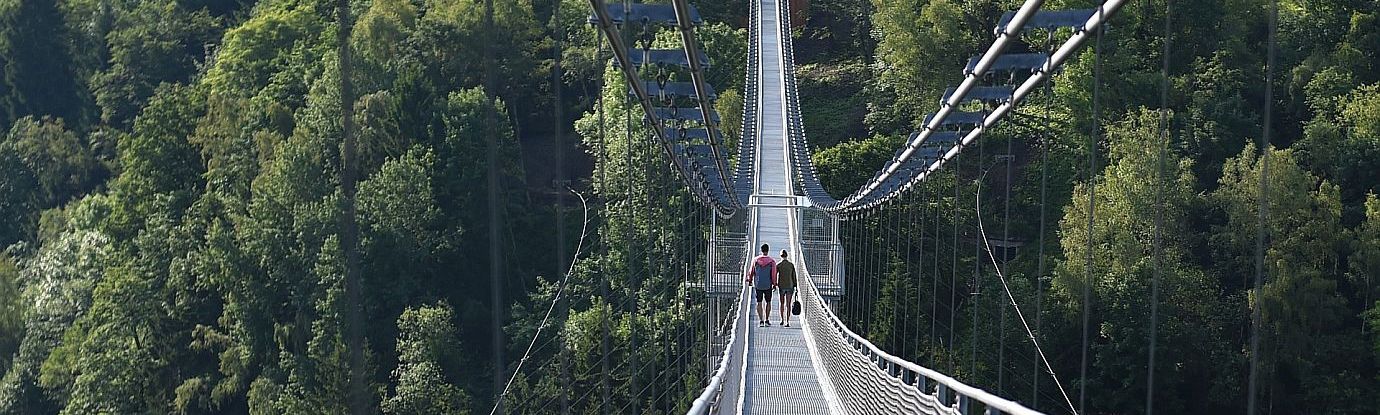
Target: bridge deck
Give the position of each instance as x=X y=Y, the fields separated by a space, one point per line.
x=780 y=375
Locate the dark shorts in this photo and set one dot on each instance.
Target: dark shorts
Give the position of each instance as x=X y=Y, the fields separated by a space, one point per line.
x=763 y=295
x=786 y=291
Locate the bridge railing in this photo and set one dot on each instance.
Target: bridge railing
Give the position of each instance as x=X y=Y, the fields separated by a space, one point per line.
x=727 y=300
x=867 y=379
x=727 y=344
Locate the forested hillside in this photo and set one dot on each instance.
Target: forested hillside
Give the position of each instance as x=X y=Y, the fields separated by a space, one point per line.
x=172 y=209
x=172 y=200
x=1318 y=306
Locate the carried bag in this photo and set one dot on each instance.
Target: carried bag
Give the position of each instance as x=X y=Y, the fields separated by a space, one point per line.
x=795 y=308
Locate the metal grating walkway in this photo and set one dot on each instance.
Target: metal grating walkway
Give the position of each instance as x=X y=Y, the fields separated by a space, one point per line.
x=780 y=376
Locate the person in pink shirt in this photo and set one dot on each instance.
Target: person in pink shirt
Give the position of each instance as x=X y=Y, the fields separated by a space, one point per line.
x=762 y=276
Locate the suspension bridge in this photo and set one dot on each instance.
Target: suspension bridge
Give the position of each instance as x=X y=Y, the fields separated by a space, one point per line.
x=773 y=196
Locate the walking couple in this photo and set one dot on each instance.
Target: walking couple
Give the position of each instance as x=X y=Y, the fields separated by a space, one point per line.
x=765 y=274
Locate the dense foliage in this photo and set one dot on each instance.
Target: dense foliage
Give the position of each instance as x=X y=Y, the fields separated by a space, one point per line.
x=172 y=201
x=1318 y=309
x=171 y=206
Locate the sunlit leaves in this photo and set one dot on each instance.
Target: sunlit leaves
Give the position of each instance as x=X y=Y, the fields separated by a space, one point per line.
x=428 y=345
x=57 y=285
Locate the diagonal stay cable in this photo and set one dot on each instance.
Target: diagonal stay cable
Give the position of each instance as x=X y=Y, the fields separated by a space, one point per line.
x=560 y=290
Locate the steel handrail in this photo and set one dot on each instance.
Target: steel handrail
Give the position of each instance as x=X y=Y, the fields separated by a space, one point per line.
x=1095 y=22
x=1065 y=52
x=687 y=35
x=620 y=52
x=712 y=394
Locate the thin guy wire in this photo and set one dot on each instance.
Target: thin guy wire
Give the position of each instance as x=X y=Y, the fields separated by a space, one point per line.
x=1002 y=277
x=560 y=290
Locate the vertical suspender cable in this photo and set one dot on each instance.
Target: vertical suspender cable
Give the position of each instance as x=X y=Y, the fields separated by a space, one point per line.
x=1093 y=142
x=907 y=203
x=869 y=298
x=860 y=236
x=935 y=199
x=934 y=276
x=1262 y=212
x=865 y=313
x=910 y=232
x=559 y=112
x=977 y=262
x=875 y=283
x=890 y=250
x=880 y=250
x=629 y=233
x=1005 y=237
x=859 y=265
x=919 y=268
x=869 y=233
x=655 y=228
x=349 y=234
x=884 y=249
x=865 y=294
x=684 y=269
x=849 y=264
x=845 y=245
x=953 y=263
x=899 y=299
x=495 y=216
x=878 y=269
x=1159 y=211
x=902 y=273
x=603 y=274
x=1044 y=196
x=665 y=277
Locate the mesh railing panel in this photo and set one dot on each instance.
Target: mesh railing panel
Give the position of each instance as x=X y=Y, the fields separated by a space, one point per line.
x=821 y=250
x=860 y=383
x=729 y=253
x=866 y=380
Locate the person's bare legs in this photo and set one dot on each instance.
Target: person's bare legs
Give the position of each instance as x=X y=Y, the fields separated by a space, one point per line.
x=762 y=310
x=786 y=308
x=756 y=306
x=766 y=305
